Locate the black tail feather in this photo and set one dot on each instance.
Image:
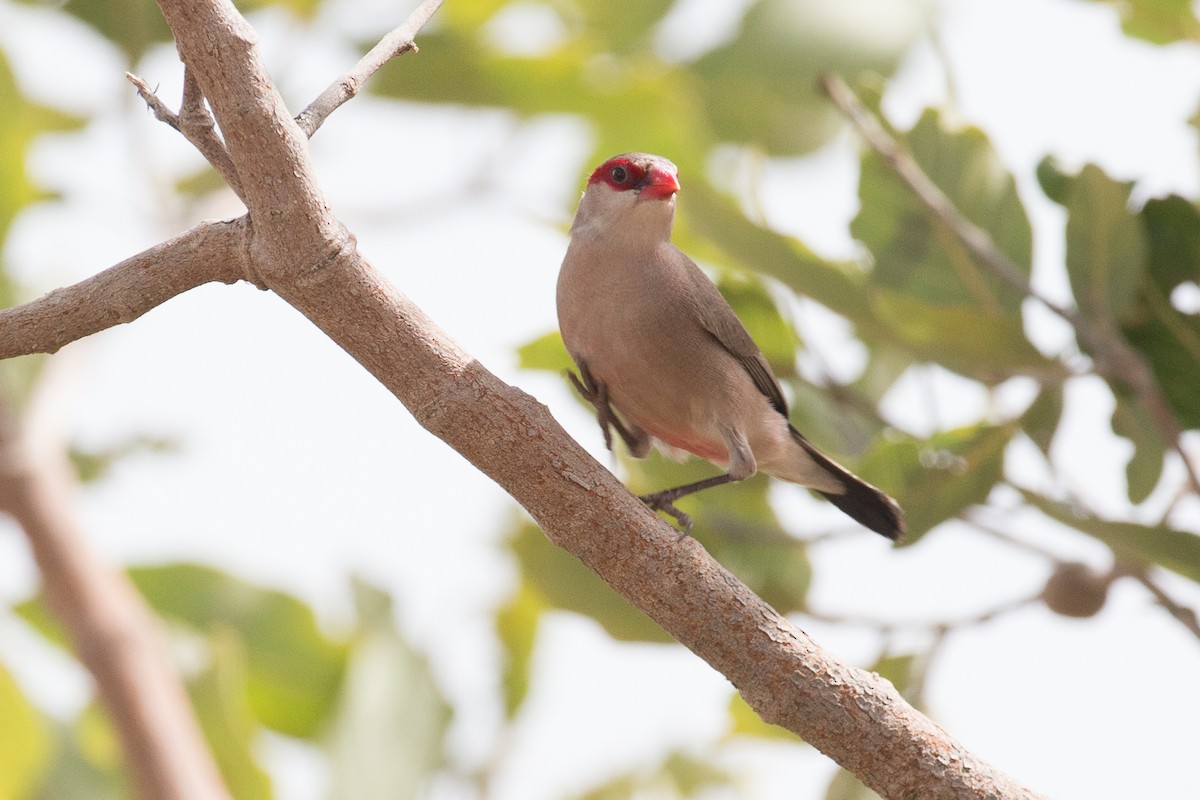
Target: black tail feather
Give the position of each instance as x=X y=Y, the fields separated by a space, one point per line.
x=859 y=500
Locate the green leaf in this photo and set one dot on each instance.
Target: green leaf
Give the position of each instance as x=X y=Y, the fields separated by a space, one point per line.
x=706 y=216
x=1145 y=466
x=386 y=739
x=87 y=761
x=936 y=479
x=633 y=99
x=1054 y=179
x=845 y=786
x=516 y=626
x=678 y=775
x=1169 y=339
x=1040 y=420
x=219 y=695
x=25 y=742
x=547 y=352
x=898 y=669
x=761 y=87
x=972 y=342
x=1158 y=21
x=1106 y=246
x=917 y=256
x=94 y=464
x=23 y=123
x=564 y=582
x=1178 y=551
x=292 y=669
x=136 y=26
x=745 y=721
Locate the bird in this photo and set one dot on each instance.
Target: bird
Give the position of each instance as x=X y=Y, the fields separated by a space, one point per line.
x=664 y=359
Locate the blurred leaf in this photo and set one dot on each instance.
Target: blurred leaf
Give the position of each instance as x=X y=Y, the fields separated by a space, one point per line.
x=677 y=776
x=566 y=583
x=1158 y=21
x=745 y=721
x=1040 y=420
x=77 y=775
x=899 y=669
x=836 y=418
x=35 y=612
x=761 y=87
x=219 y=695
x=24 y=121
x=292 y=670
x=635 y=102
x=1106 y=247
x=916 y=256
x=773 y=334
x=845 y=786
x=516 y=625
x=1168 y=338
x=1145 y=466
x=132 y=25
x=936 y=479
x=621 y=26
x=93 y=465
x=136 y=26
x=547 y=352
x=25 y=742
x=386 y=739
x=1176 y=550
x=972 y=342
x=708 y=216
x=1054 y=179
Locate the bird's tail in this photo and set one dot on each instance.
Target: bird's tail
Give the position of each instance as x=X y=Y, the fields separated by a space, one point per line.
x=858 y=499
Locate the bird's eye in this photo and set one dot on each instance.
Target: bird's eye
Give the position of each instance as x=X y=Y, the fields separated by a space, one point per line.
x=619 y=174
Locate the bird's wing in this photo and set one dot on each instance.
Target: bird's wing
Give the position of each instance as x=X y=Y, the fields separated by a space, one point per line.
x=717 y=318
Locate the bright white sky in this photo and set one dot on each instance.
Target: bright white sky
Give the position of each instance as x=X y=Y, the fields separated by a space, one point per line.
x=298 y=469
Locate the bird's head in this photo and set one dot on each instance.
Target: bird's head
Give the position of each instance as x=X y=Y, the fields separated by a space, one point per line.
x=632 y=194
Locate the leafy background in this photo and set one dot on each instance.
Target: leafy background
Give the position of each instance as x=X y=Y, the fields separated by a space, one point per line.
x=358 y=614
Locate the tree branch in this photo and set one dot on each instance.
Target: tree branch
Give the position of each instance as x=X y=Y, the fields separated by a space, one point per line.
x=1115 y=359
x=396 y=43
x=212 y=251
x=114 y=634
x=195 y=123
x=305 y=256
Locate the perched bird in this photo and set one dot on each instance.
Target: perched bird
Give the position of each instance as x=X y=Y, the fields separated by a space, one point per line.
x=656 y=343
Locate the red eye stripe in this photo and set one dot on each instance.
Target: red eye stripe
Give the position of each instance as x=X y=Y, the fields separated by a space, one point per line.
x=619 y=173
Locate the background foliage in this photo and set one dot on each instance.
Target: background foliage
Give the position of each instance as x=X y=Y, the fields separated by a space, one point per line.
x=368 y=705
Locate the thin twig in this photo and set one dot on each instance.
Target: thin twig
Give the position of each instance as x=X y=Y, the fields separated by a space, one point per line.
x=395 y=43
x=195 y=123
x=1114 y=358
x=889 y=627
x=1184 y=615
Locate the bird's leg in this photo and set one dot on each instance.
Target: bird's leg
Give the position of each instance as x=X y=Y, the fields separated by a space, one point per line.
x=741 y=466
x=596 y=393
x=665 y=500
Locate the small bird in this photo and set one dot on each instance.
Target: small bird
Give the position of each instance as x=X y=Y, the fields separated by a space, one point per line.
x=657 y=344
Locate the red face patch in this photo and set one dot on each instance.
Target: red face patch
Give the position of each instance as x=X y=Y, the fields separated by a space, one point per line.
x=620 y=173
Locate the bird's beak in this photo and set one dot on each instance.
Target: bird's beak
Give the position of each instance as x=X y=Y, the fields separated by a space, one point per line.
x=660 y=183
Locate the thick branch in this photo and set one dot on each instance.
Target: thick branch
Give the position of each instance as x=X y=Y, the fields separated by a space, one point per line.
x=857 y=718
x=1115 y=358
x=398 y=42
x=209 y=252
x=113 y=632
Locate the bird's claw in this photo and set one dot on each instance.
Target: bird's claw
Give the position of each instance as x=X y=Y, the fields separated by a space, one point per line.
x=665 y=502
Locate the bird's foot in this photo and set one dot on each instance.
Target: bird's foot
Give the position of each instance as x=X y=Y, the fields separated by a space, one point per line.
x=665 y=502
